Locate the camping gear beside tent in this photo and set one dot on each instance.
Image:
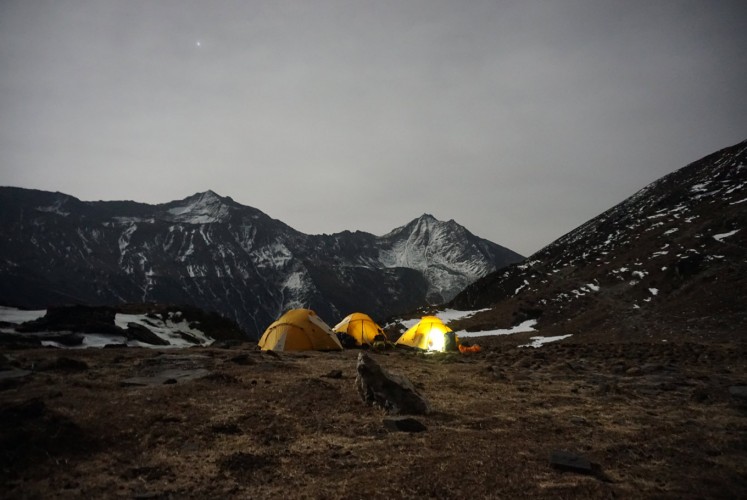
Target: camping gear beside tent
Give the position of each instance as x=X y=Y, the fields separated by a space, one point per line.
x=362 y=328
x=299 y=330
x=428 y=334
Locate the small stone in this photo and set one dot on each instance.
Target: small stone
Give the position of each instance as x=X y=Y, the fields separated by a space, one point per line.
x=633 y=372
x=578 y=420
x=242 y=359
x=333 y=374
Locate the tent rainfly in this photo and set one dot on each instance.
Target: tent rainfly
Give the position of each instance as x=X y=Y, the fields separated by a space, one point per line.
x=361 y=327
x=299 y=330
x=427 y=334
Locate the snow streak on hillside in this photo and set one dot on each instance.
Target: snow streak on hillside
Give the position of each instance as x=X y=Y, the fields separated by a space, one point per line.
x=677 y=245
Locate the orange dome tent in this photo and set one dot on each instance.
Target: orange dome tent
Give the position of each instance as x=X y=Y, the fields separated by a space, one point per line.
x=427 y=334
x=361 y=327
x=299 y=330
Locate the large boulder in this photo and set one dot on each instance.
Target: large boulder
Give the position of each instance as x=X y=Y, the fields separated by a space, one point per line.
x=395 y=394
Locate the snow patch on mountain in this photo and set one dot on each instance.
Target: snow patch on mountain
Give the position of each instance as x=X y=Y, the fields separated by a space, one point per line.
x=203 y=208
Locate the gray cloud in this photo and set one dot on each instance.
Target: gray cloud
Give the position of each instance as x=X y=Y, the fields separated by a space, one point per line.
x=520 y=120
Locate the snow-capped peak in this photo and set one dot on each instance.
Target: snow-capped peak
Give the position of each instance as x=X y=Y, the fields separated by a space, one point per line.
x=200 y=208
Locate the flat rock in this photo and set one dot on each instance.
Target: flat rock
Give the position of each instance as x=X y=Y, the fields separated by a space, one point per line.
x=13 y=374
x=568 y=461
x=167 y=377
x=333 y=374
x=738 y=392
x=404 y=424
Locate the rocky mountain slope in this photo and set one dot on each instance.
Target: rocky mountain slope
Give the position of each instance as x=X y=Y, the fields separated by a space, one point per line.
x=211 y=252
x=670 y=259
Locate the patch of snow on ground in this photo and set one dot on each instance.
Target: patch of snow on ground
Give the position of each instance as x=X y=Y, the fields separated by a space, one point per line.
x=538 y=341
x=97 y=341
x=673 y=230
x=592 y=287
x=167 y=330
x=526 y=283
x=18 y=316
x=409 y=323
x=526 y=326
x=654 y=291
x=738 y=202
x=719 y=237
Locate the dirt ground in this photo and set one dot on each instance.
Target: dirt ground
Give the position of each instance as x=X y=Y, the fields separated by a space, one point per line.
x=657 y=420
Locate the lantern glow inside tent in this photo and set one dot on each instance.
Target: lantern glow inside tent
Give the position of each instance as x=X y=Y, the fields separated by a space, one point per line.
x=428 y=334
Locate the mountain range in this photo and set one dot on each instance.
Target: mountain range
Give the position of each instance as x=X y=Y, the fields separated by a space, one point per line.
x=670 y=260
x=214 y=253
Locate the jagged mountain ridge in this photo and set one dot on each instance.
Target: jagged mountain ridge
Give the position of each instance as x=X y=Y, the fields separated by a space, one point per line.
x=671 y=258
x=212 y=252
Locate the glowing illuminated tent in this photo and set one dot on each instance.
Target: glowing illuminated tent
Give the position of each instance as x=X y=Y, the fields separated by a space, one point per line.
x=428 y=334
x=299 y=330
x=361 y=327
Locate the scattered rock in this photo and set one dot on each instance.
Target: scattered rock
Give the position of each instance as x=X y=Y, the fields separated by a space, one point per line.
x=222 y=378
x=404 y=424
x=12 y=374
x=568 y=461
x=226 y=428
x=334 y=374
x=166 y=377
x=393 y=393
x=65 y=364
x=651 y=368
x=739 y=392
x=12 y=378
x=243 y=359
x=633 y=372
x=142 y=334
x=578 y=420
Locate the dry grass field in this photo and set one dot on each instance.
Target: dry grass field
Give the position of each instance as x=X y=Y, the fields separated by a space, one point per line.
x=656 y=420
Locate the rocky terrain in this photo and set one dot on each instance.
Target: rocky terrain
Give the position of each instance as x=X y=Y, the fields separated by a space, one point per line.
x=670 y=259
x=211 y=252
x=601 y=420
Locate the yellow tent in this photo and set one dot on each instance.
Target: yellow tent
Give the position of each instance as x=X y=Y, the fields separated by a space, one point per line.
x=361 y=327
x=299 y=330
x=427 y=334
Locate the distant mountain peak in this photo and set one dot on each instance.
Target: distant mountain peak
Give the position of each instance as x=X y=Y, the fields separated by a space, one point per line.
x=213 y=252
x=200 y=208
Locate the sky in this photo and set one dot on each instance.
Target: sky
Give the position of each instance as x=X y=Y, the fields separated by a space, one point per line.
x=520 y=119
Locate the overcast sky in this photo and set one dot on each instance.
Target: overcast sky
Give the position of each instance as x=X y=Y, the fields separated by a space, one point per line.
x=519 y=119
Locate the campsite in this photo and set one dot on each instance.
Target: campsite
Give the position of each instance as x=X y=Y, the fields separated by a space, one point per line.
x=650 y=419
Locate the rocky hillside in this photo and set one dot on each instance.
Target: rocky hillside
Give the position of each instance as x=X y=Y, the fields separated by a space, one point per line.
x=672 y=258
x=209 y=251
